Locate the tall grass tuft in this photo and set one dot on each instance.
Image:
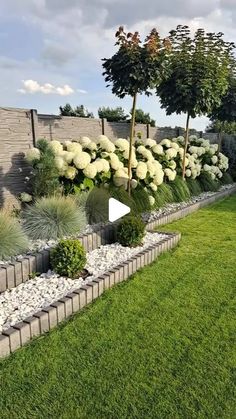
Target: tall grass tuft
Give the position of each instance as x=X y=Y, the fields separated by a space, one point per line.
x=194 y=186
x=141 y=199
x=13 y=241
x=53 y=218
x=163 y=195
x=207 y=183
x=226 y=179
x=180 y=190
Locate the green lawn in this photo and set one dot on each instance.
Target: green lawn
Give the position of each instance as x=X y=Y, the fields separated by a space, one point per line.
x=162 y=345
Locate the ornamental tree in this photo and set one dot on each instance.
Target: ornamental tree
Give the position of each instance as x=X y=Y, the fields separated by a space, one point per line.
x=79 y=111
x=112 y=114
x=198 y=75
x=144 y=118
x=134 y=69
x=224 y=117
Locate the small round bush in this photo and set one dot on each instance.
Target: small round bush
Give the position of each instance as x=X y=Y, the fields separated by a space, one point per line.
x=68 y=258
x=130 y=231
x=12 y=239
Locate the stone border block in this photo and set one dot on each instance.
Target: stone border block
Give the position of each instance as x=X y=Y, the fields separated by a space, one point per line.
x=14 y=338
x=24 y=329
x=75 y=301
x=34 y=325
x=43 y=321
x=52 y=316
x=4 y=346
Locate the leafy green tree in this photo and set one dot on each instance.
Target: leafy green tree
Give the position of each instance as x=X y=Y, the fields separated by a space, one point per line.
x=135 y=68
x=197 y=76
x=112 y=114
x=223 y=118
x=79 y=111
x=144 y=118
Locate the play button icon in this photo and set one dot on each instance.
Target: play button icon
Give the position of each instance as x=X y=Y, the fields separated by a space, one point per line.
x=116 y=209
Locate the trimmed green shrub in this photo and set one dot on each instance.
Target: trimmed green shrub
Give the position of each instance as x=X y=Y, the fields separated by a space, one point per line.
x=45 y=174
x=226 y=179
x=163 y=195
x=141 y=199
x=194 y=186
x=180 y=190
x=12 y=238
x=53 y=218
x=207 y=183
x=130 y=231
x=68 y=258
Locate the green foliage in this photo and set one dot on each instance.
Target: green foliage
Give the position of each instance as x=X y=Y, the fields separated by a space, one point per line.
x=194 y=186
x=141 y=199
x=229 y=149
x=79 y=111
x=52 y=218
x=226 y=179
x=207 y=183
x=190 y=86
x=68 y=258
x=97 y=205
x=219 y=126
x=163 y=195
x=112 y=114
x=12 y=239
x=224 y=116
x=180 y=190
x=144 y=118
x=45 y=174
x=130 y=231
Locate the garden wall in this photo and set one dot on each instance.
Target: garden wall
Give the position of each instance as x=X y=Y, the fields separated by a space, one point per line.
x=20 y=129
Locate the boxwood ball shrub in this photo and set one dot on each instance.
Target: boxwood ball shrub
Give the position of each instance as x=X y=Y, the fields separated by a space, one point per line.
x=68 y=258
x=130 y=231
x=53 y=218
x=13 y=241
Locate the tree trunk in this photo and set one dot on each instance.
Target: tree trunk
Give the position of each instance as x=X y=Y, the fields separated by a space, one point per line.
x=132 y=123
x=185 y=145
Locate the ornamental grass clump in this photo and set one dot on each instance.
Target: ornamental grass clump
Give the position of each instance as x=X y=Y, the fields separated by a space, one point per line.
x=68 y=258
x=207 y=183
x=13 y=240
x=180 y=190
x=130 y=231
x=226 y=179
x=194 y=186
x=53 y=218
x=163 y=195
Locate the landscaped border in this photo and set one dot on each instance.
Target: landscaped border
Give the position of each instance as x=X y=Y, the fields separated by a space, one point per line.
x=49 y=317
x=13 y=274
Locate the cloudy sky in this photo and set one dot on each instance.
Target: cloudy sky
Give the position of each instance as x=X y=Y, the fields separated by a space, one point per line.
x=51 y=50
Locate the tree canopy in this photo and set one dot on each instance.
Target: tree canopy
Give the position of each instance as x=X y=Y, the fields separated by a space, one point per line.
x=112 y=114
x=142 y=117
x=79 y=111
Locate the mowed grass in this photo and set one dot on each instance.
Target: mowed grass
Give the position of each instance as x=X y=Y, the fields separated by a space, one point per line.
x=161 y=345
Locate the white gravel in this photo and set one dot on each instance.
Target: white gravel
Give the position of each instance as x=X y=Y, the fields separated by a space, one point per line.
x=31 y=296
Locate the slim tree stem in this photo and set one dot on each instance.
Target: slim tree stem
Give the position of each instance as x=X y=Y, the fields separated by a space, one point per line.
x=185 y=145
x=131 y=141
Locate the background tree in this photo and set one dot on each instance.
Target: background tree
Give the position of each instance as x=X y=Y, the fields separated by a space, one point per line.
x=112 y=114
x=223 y=118
x=197 y=76
x=133 y=69
x=144 y=118
x=79 y=111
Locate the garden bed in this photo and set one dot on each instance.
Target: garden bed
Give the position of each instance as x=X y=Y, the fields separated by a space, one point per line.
x=108 y=265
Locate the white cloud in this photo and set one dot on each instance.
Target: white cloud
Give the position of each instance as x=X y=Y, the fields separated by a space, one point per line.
x=32 y=86
x=82 y=91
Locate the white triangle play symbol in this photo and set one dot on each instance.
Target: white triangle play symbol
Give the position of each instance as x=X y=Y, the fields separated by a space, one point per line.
x=117 y=209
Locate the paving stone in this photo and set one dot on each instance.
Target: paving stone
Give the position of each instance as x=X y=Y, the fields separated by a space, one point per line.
x=75 y=301
x=4 y=346
x=24 y=329
x=14 y=338
x=3 y=279
x=34 y=326
x=52 y=316
x=43 y=321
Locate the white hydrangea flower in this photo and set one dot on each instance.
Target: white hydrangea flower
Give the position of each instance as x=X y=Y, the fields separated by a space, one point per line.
x=175 y=146
x=181 y=153
x=151 y=200
x=188 y=173
x=141 y=170
x=56 y=146
x=171 y=174
x=172 y=164
x=149 y=142
x=134 y=183
x=214 y=159
x=180 y=139
x=207 y=168
x=92 y=146
x=171 y=153
x=115 y=162
x=120 y=178
x=151 y=168
x=102 y=165
x=26 y=197
x=70 y=173
x=157 y=165
x=166 y=142
x=81 y=160
x=106 y=144
x=158 y=149
x=90 y=170
x=67 y=156
x=153 y=186
x=122 y=144
x=32 y=154
x=74 y=147
x=193 y=149
x=60 y=163
x=158 y=178
x=84 y=141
